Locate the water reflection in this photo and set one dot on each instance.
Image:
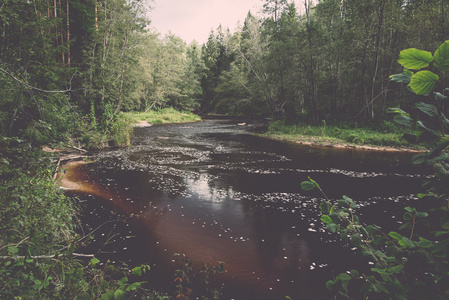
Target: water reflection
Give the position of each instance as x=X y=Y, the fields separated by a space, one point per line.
x=217 y=193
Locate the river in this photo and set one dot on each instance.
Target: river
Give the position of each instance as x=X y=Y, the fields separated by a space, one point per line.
x=215 y=192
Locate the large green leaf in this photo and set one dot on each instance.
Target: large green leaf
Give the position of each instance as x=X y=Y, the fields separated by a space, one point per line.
x=419 y=158
x=404 y=77
x=415 y=59
x=428 y=136
x=423 y=82
x=403 y=120
x=440 y=97
x=396 y=110
x=428 y=109
x=442 y=57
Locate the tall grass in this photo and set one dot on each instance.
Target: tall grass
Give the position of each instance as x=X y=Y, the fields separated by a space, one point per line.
x=162 y=116
x=385 y=135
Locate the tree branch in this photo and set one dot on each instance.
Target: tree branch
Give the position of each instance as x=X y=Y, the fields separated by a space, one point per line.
x=30 y=86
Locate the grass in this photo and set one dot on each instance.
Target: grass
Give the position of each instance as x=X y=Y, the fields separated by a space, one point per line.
x=387 y=135
x=162 y=116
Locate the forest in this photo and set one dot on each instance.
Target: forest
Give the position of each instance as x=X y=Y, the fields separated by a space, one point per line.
x=66 y=63
x=69 y=69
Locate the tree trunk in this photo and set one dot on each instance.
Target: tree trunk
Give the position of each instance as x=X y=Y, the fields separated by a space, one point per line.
x=376 y=59
x=61 y=35
x=68 y=33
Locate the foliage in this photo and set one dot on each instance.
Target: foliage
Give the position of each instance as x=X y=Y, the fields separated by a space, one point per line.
x=34 y=213
x=411 y=262
x=186 y=278
x=38 y=238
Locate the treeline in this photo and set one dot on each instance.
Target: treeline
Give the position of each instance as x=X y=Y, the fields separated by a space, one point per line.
x=322 y=60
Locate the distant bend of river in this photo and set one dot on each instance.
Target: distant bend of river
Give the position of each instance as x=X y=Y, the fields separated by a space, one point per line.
x=215 y=192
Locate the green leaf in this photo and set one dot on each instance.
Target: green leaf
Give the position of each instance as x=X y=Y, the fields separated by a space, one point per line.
x=404 y=77
x=403 y=120
x=330 y=284
x=439 y=96
x=395 y=235
x=377 y=270
x=134 y=286
x=428 y=109
x=444 y=222
x=409 y=209
x=442 y=57
x=137 y=271
x=420 y=214
x=343 y=277
x=415 y=59
x=325 y=207
x=13 y=249
x=109 y=295
x=441 y=233
x=326 y=219
x=380 y=254
x=94 y=261
x=123 y=281
x=396 y=269
x=120 y=295
x=419 y=158
x=371 y=229
x=430 y=134
x=396 y=110
x=424 y=243
x=407 y=242
x=332 y=227
x=423 y=82
x=356 y=240
x=307 y=185
x=407 y=216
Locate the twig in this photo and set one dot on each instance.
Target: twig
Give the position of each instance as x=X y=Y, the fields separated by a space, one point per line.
x=55 y=174
x=76 y=148
x=413 y=226
x=46 y=256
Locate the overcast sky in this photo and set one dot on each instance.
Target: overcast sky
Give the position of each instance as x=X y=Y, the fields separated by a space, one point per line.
x=194 y=19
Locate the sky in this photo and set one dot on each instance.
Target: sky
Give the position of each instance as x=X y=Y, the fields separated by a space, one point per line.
x=194 y=19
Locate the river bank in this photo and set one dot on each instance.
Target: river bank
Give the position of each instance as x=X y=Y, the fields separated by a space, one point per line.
x=317 y=141
x=387 y=137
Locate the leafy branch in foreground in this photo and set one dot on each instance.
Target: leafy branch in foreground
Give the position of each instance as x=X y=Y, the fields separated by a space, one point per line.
x=407 y=263
x=186 y=278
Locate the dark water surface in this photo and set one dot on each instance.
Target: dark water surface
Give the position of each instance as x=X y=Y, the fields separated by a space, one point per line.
x=215 y=192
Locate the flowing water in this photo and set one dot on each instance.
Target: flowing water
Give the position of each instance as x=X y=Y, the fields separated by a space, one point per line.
x=215 y=192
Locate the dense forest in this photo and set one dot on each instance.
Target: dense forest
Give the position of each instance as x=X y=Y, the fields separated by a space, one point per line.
x=70 y=68
x=65 y=63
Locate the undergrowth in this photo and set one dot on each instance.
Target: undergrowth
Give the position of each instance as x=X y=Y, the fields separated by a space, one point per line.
x=38 y=238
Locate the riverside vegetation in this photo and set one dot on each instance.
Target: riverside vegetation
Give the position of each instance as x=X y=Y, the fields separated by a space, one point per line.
x=72 y=71
x=412 y=261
